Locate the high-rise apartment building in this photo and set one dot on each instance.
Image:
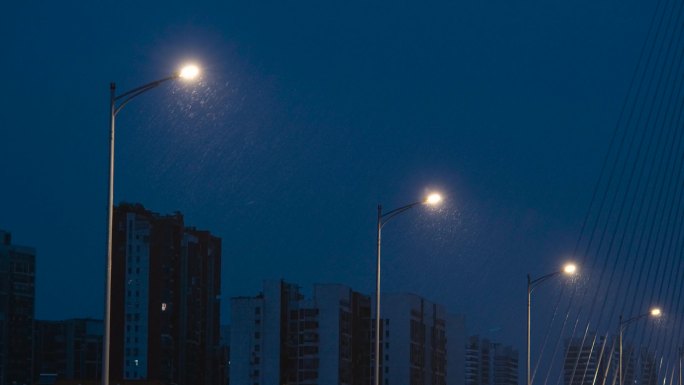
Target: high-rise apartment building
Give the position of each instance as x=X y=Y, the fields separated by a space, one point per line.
x=594 y=360
x=165 y=299
x=506 y=369
x=581 y=360
x=648 y=367
x=343 y=318
x=17 y=301
x=281 y=338
x=420 y=342
x=69 y=349
x=490 y=363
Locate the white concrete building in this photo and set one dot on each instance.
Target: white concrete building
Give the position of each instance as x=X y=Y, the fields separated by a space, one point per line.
x=278 y=337
x=420 y=342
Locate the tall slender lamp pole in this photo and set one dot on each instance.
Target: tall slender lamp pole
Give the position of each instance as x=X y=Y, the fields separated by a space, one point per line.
x=531 y=284
x=680 y=365
x=116 y=103
x=432 y=199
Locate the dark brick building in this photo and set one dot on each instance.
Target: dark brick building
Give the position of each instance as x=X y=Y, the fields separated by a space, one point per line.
x=165 y=299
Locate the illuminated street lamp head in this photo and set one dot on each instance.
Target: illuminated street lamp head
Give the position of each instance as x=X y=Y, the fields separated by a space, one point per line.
x=570 y=269
x=433 y=199
x=655 y=312
x=189 y=72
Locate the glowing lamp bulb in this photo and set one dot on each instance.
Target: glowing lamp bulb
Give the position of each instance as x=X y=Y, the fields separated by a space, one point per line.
x=433 y=199
x=570 y=268
x=655 y=312
x=189 y=72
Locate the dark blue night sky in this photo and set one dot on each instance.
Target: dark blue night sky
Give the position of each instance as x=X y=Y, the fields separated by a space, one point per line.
x=309 y=114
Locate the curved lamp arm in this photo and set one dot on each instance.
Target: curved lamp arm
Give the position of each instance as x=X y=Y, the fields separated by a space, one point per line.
x=652 y=313
x=129 y=95
x=532 y=283
x=384 y=218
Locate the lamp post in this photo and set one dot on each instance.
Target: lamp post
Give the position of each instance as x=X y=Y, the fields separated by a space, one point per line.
x=680 y=365
x=654 y=312
x=568 y=269
x=432 y=200
x=681 y=351
x=116 y=103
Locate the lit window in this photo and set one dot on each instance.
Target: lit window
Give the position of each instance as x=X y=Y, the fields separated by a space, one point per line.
x=163 y=306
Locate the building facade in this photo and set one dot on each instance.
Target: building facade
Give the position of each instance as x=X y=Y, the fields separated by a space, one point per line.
x=420 y=343
x=648 y=367
x=595 y=360
x=17 y=309
x=506 y=365
x=490 y=363
x=165 y=299
x=280 y=338
x=69 y=349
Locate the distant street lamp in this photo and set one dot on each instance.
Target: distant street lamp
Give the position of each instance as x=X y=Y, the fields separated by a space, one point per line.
x=654 y=313
x=568 y=269
x=432 y=200
x=116 y=103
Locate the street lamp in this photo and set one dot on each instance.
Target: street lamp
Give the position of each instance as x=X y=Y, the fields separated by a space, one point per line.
x=432 y=199
x=568 y=269
x=654 y=313
x=116 y=103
